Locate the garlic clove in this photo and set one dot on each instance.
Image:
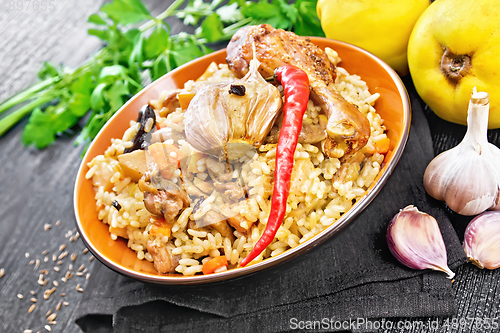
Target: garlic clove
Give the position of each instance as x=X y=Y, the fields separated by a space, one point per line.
x=466 y=177
x=415 y=240
x=482 y=240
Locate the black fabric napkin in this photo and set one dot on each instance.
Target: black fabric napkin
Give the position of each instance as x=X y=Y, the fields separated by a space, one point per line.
x=349 y=280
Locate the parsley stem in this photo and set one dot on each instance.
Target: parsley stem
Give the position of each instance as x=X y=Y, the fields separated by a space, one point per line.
x=168 y=12
x=200 y=12
x=231 y=29
x=27 y=94
x=10 y=120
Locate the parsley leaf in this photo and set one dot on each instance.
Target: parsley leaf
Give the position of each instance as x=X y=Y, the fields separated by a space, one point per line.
x=79 y=104
x=211 y=28
x=126 y=11
x=39 y=130
x=48 y=71
x=116 y=94
x=308 y=23
x=185 y=53
x=157 y=42
x=97 y=98
x=230 y=13
x=97 y=19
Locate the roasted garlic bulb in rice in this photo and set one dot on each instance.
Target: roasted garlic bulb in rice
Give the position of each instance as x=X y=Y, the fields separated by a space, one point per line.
x=230 y=118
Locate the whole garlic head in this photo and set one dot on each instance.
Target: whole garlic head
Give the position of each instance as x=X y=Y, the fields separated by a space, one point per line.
x=467 y=177
x=232 y=117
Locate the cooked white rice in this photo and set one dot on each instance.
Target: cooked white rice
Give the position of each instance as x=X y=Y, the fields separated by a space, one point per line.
x=314 y=202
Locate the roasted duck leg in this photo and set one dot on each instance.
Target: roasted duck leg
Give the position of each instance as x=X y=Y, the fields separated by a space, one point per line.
x=348 y=129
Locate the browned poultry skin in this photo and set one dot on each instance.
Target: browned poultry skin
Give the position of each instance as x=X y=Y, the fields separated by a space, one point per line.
x=348 y=129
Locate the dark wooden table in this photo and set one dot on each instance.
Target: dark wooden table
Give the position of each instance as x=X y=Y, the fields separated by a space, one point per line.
x=36 y=187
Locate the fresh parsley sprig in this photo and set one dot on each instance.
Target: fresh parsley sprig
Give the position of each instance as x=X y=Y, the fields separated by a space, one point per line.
x=137 y=48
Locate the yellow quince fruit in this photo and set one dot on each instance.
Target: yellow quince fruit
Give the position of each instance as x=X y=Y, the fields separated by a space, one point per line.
x=454 y=47
x=382 y=27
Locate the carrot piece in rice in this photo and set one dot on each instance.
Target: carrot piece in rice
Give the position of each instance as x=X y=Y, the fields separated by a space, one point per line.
x=213 y=264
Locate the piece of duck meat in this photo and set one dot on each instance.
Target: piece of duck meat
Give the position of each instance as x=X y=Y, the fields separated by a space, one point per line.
x=348 y=129
x=167 y=202
x=220 y=171
x=218 y=222
x=171 y=103
x=163 y=259
x=309 y=133
x=232 y=191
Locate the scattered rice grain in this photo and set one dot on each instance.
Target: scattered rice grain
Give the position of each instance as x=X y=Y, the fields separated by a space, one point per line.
x=62 y=255
x=47 y=327
x=47 y=226
x=41 y=281
x=56 y=268
x=62 y=247
x=52 y=317
x=31 y=262
x=68 y=275
x=85 y=250
x=73 y=257
x=27 y=255
x=48 y=292
x=2 y=272
x=58 y=306
x=32 y=307
x=20 y=296
x=33 y=299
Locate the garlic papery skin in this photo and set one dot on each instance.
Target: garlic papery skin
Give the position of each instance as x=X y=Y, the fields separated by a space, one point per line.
x=415 y=240
x=467 y=177
x=229 y=123
x=482 y=240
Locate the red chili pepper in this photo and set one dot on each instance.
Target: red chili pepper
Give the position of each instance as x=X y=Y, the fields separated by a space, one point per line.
x=296 y=86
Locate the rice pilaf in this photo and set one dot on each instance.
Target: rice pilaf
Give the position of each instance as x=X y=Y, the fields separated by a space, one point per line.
x=322 y=189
